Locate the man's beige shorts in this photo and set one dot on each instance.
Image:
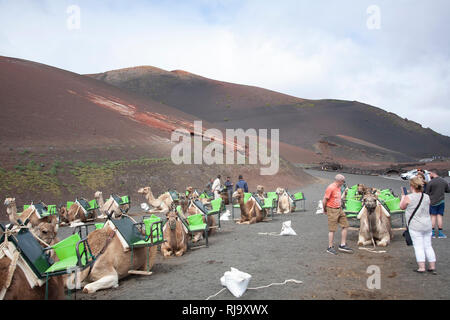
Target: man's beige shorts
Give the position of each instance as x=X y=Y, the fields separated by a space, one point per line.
x=335 y=217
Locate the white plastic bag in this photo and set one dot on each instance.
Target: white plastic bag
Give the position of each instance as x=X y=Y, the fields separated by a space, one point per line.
x=286 y=229
x=320 y=208
x=145 y=206
x=236 y=281
x=225 y=216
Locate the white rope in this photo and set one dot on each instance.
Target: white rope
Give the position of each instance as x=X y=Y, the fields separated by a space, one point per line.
x=261 y=287
x=372 y=250
x=216 y=294
x=269 y=233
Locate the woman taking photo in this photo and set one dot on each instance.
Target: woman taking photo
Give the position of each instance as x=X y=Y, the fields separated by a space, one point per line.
x=420 y=225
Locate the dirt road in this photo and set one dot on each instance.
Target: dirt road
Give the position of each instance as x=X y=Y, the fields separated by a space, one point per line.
x=269 y=259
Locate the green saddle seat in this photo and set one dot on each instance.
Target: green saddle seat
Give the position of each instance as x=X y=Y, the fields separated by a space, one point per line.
x=352 y=206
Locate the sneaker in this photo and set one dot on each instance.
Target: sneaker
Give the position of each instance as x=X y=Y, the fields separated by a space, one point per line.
x=344 y=248
x=441 y=235
x=332 y=250
x=433 y=234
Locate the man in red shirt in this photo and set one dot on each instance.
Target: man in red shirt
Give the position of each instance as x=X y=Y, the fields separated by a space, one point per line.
x=333 y=208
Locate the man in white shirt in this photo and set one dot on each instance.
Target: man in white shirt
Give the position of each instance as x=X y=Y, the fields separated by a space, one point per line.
x=216 y=187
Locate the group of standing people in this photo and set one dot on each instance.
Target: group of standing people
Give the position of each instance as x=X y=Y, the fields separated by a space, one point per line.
x=215 y=186
x=424 y=205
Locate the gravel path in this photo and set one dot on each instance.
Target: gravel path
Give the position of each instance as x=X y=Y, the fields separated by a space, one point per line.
x=269 y=259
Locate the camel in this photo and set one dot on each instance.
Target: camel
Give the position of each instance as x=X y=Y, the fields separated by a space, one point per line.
x=175 y=235
x=112 y=261
x=193 y=194
x=109 y=206
x=188 y=207
x=15 y=284
x=75 y=215
x=375 y=223
x=250 y=213
x=159 y=205
x=285 y=204
x=30 y=213
x=260 y=192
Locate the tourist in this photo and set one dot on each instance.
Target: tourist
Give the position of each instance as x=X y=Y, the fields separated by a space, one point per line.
x=229 y=188
x=420 y=225
x=216 y=187
x=332 y=207
x=436 y=189
x=242 y=184
x=208 y=187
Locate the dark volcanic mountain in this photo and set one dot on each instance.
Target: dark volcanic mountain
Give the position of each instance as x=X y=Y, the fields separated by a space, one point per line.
x=331 y=129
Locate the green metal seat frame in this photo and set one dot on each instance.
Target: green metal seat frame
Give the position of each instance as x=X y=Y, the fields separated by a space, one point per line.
x=194 y=223
x=299 y=196
x=72 y=252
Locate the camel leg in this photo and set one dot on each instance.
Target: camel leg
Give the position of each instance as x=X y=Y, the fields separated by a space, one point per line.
x=364 y=243
x=383 y=242
x=180 y=252
x=165 y=251
x=197 y=237
x=106 y=282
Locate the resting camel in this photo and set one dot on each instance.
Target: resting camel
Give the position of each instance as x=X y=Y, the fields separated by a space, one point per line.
x=193 y=194
x=159 y=205
x=284 y=201
x=375 y=223
x=30 y=213
x=76 y=214
x=112 y=261
x=260 y=192
x=250 y=213
x=13 y=282
x=175 y=235
x=109 y=206
x=188 y=208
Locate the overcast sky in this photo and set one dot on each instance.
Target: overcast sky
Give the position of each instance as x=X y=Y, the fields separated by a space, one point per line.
x=392 y=54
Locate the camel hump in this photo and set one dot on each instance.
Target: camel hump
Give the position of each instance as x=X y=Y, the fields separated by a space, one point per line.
x=97 y=239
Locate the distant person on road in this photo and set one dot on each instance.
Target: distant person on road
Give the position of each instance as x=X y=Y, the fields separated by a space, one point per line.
x=436 y=189
x=332 y=207
x=420 y=225
x=216 y=187
x=241 y=184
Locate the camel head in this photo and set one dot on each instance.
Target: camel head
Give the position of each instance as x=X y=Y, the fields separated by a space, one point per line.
x=260 y=189
x=361 y=189
x=9 y=202
x=238 y=194
x=190 y=189
x=172 y=218
x=370 y=202
x=279 y=191
x=98 y=194
x=47 y=231
x=145 y=190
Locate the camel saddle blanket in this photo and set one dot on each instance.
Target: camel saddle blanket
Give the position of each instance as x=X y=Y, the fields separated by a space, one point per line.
x=173 y=195
x=124 y=242
x=8 y=249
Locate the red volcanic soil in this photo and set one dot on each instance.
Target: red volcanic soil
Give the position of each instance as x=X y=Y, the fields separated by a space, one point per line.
x=42 y=104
